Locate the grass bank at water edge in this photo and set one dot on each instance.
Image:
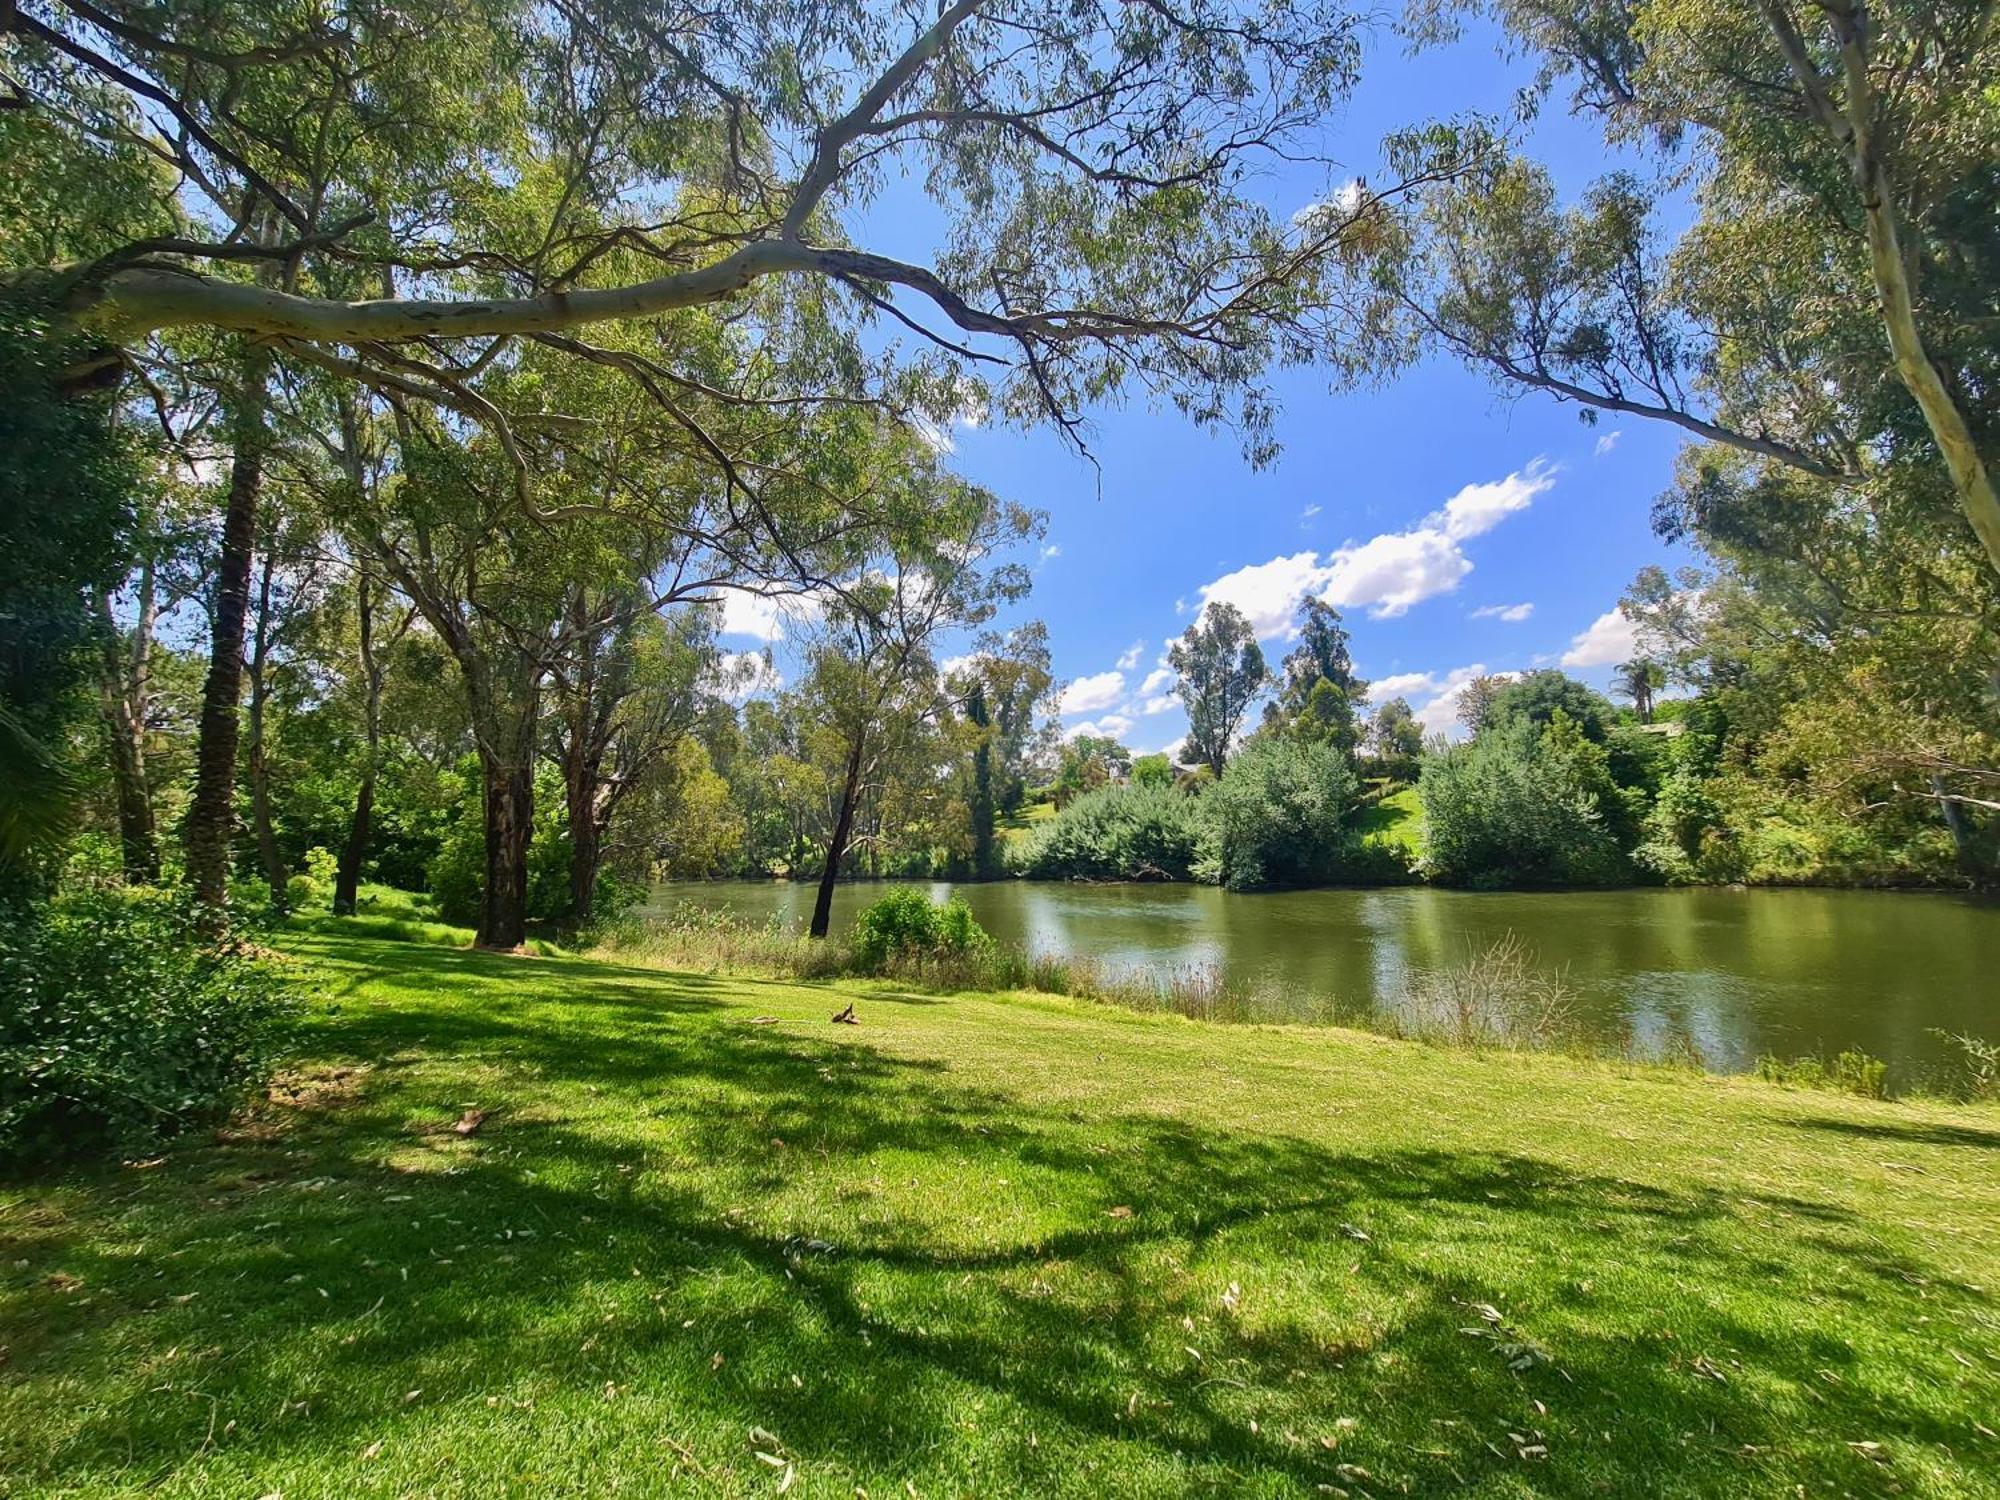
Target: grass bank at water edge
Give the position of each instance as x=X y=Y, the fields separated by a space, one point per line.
x=701 y=1241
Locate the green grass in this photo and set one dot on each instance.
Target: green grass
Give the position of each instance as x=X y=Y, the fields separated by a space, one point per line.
x=1397 y=820
x=1024 y=821
x=384 y=912
x=992 y=1246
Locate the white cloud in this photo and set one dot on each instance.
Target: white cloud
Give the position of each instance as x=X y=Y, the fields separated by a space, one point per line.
x=1180 y=606
x=952 y=665
x=1512 y=614
x=1329 y=212
x=763 y=618
x=1049 y=552
x=747 y=674
x=1157 y=681
x=1308 y=513
x=1388 y=573
x=1089 y=694
x=1268 y=593
x=1159 y=704
x=1478 y=508
x=1401 y=685
x=1130 y=658
x=1605 y=642
x=1110 y=727
x=1606 y=443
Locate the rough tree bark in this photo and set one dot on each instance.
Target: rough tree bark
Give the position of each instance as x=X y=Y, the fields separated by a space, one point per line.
x=211 y=818
x=509 y=797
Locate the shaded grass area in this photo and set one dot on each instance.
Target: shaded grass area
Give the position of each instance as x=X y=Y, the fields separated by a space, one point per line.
x=1397 y=821
x=704 y=1240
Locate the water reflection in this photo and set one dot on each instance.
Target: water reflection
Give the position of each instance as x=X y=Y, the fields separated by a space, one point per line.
x=1735 y=973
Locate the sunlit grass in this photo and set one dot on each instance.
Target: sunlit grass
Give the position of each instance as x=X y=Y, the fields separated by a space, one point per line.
x=705 y=1240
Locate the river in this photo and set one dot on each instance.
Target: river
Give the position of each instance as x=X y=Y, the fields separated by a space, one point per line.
x=1736 y=972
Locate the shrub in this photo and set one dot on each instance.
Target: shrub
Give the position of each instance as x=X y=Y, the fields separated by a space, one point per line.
x=1512 y=808
x=120 y=1024
x=905 y=926
x=1116 y=833
x=1278 y=815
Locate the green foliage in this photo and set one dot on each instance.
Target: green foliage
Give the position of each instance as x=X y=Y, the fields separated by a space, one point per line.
x=1116 y=833
x=1539 y=696
x=1514 y=808
x=66 y=482
x=121 y=1024
x=456 y=876
x=905 y=926
x=1279 y=815
x=1219 y=670
x=1153 y=771
x=1850 y=1072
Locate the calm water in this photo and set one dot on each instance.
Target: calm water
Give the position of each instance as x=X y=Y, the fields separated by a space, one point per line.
x=1736 y=972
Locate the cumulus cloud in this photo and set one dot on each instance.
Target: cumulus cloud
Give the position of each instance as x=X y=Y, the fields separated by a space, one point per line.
x=1606 y=443
x=1268 y=593
x=1512 y=614
x=1401 y=685
x=1130 y=658
x=952 y=665
x=1089 y=694
x=1049 y=552
x=1158 y=680
x=1605 y=642
x=762 y=618
x=1159 y=704
x=1388 y=573
x=1109 y=727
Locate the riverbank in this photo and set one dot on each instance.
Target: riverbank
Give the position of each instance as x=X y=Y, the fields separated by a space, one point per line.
x=696 y=1240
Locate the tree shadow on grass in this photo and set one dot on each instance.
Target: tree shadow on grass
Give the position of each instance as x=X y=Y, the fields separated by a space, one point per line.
x=678 y=1221
x=1928 y=1134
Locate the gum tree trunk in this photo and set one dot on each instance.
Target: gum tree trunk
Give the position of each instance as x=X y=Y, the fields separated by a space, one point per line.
x=509 y=796
x=211 y=818
x=836 y=847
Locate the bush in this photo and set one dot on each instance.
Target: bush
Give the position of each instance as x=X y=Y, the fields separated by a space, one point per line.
x=906 y=927
x=1515 y=807
x=121 y=1025
x=1116 y=833
x=1278 y=816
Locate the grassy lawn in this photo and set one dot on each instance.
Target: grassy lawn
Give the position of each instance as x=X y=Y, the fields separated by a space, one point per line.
x=706 y=1243
x=1397 y=820
x=1018 y=825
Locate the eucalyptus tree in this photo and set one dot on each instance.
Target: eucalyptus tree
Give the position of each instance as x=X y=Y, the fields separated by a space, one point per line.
x=1317 y=688
x=1219 y=672
x=873 y=680
x=631 y=686
x=1005 y=689
x=1829 y=307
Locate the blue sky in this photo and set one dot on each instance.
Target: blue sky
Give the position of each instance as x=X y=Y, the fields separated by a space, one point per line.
x=1456 y=529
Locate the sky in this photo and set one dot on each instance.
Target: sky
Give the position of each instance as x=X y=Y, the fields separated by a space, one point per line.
x=1458 y=529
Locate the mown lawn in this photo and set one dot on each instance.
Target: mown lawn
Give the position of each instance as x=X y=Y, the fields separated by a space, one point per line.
x=992 y=1247
x=1397 y=820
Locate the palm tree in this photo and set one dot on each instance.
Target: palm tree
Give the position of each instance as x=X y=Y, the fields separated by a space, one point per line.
x=1637 y=679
